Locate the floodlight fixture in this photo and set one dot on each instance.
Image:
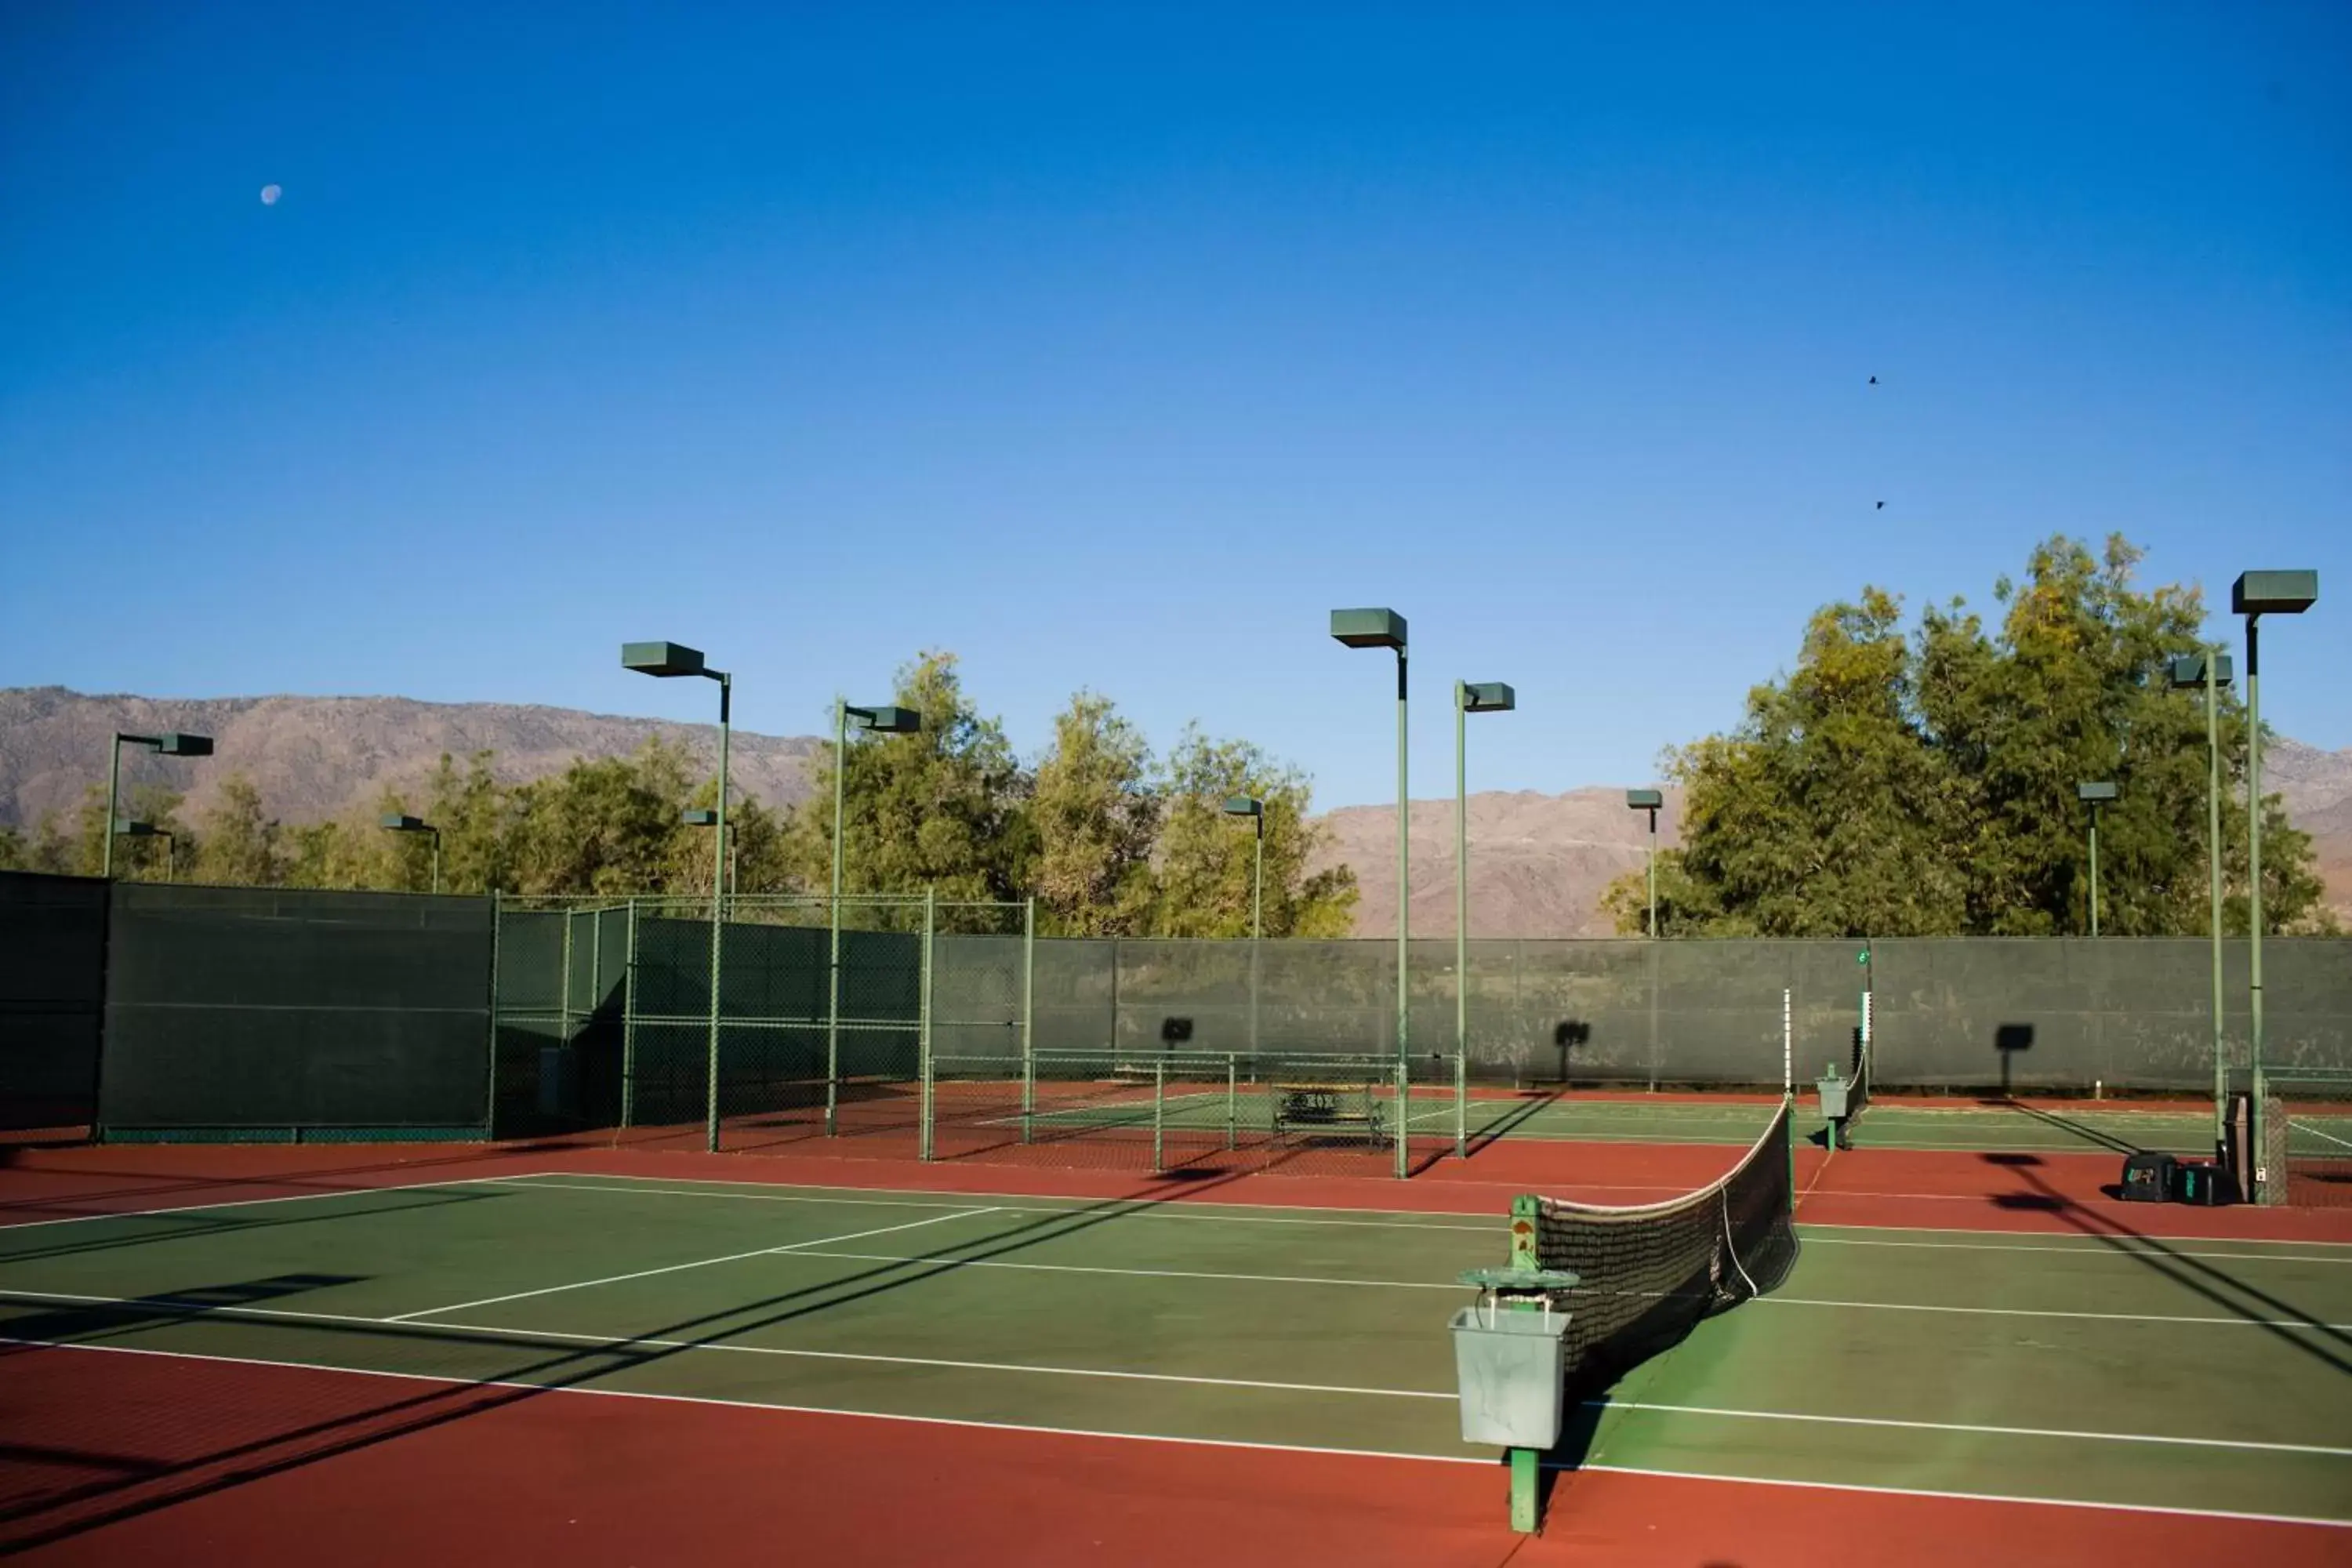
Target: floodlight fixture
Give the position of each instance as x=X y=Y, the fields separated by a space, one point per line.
x=2094 y=792
x=1488 y=697
x=1244 y=806
x=1369 y=628
x=2187 y=671
x=2273 y=592
x=702 y=817
x=884 y=721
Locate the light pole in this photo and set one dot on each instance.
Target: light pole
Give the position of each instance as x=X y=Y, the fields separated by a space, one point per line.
x=665 y=659
x=1385 y=628
x=1650 y=800
x=881 y=721
x=1249 y=806
x=2253 y=595
x=2211 y=669
x=173 y=743
x=401 y=822
x=127 y=828
x=1469 y=697
x=2095 y=795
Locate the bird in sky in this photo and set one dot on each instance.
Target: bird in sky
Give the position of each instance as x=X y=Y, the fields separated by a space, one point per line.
x=1881 y=507
x=1873 y=381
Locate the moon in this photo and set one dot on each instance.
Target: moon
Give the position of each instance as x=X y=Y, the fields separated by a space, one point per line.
x=269 y=195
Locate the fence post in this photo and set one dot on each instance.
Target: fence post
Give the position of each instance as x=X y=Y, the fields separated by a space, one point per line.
x=629 y=1025
x=927 y=1106
x=1028 y=1012
x=491 y=1103
x=1158 y=1113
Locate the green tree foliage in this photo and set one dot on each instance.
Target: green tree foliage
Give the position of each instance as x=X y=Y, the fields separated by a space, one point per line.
x=1926 y=785
x=1094 y=813
x=605 y=826
x=944 y=807
x=237 y=843
x=1205 y=861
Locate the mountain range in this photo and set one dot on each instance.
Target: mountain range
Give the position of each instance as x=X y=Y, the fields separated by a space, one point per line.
x=1538 y=862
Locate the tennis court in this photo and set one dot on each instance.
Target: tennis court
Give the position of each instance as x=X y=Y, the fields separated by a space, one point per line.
x=1928 y=1366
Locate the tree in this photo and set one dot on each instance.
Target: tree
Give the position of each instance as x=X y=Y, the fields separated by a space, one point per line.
x=478 y=822
x=1094 y=813
x=1205 y=859
x=941 y=808
x=236 y=844
x=603 y=826
x=1925 y=786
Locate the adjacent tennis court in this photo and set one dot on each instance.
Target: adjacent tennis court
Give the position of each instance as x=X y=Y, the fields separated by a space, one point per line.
x=2118 y=1371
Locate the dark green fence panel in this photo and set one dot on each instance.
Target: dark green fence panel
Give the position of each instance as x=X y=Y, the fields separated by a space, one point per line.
x=306 y=1011
x=52 y=999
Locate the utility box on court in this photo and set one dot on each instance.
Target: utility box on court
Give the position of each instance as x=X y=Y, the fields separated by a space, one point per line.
x=1512 y=1365
x=1834 y=1091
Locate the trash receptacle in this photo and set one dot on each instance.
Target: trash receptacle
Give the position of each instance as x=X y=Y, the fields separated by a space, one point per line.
x=1834 y=1090
x=1511 y=1366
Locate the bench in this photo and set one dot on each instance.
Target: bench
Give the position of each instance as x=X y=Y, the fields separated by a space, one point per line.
x=1320 y=1104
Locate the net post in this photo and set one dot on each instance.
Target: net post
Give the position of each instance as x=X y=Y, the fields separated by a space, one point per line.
x=629 y=1025
x=1158 y=1115
x=1404 y=1121
x=1232 y=1101
x=1461 y=1105
x=1789 y=1081
x=1526 y=1475
x=927 y=1106
x=1028 y=1012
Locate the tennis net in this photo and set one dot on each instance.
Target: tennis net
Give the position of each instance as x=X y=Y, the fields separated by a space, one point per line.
x=1649 y=1273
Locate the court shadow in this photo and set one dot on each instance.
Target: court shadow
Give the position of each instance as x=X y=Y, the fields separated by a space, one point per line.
x=536 y=1367
x=2289 y=1324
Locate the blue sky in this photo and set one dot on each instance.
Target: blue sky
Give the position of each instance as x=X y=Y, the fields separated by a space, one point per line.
x=1113 y=346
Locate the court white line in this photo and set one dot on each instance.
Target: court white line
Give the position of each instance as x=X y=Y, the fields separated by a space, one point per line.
x=678 y=1267
x=7 y=1225
x=2041 y=1312
x=2119 y=1250
x=2317 y=1133
x=1144 y=1208
x=2167 y=1438
x=1240 y=1444
x=1139 y=1273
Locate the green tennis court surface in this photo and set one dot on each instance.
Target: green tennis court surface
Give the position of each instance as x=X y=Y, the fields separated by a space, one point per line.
x=2206 y=1375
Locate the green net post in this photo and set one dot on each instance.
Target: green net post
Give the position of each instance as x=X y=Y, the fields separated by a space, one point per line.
x=928 y=1104
x=1232 y=1102
x=1404 y=1118
x=629 y=1025
x=1158 y=1115
x=1525 y=1463
x=1461 y=1105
